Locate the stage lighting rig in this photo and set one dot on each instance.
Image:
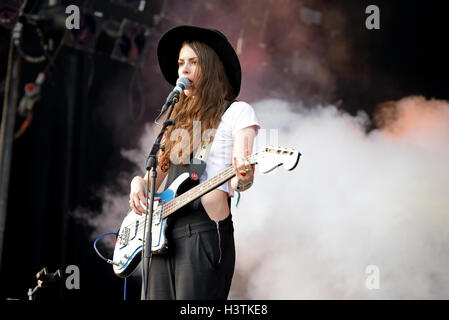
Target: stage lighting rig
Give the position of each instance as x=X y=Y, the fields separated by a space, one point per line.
x=122 y=40
x=85 y=38
x=130 y=44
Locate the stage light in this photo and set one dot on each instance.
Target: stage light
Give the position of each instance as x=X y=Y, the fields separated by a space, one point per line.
x=130 y=45
x=85 y=38
x=119 y=39
x=9 y=10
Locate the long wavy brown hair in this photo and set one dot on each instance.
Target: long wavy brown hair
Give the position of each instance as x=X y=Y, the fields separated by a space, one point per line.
x=206 y=104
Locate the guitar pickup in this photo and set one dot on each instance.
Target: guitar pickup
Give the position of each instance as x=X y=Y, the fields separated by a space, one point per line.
x=136 y=229
x=124 y=237
x=157 y=214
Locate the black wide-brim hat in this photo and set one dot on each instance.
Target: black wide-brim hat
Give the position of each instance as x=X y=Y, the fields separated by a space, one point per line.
x=170 y=45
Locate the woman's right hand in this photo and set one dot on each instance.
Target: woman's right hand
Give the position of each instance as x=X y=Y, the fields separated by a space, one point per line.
x=137 y=195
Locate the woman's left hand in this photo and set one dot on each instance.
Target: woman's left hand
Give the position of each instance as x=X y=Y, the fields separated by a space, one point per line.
x=242 y=148
x=244 y=171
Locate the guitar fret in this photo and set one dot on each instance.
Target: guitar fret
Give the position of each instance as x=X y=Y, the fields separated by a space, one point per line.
x=197 y=192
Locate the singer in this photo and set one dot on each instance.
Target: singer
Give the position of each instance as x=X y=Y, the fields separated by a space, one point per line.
x=201 y=256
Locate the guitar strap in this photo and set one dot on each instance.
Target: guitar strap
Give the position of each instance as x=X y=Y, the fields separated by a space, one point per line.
x=198 y=161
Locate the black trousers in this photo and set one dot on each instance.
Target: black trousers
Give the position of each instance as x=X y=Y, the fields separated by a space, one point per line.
x=200 y=261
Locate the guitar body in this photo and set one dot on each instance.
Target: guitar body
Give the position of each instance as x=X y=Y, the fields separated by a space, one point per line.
x=129 y=243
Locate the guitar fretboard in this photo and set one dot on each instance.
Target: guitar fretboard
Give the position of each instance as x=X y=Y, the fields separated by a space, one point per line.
x=201 y=189
x=197 y=191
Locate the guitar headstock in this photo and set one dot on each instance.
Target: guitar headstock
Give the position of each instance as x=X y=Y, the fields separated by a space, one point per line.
x=271 y=157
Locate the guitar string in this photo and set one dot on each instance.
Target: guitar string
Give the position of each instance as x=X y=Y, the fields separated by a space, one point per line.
x=177 y=203
x=200 y=188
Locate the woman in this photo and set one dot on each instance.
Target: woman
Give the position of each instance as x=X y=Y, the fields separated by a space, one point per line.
x=200 y=261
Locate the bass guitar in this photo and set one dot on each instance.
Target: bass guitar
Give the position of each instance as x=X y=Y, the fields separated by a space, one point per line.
x=129 y=242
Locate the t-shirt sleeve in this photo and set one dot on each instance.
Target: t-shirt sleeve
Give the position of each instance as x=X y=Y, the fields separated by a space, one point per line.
x=242 y=115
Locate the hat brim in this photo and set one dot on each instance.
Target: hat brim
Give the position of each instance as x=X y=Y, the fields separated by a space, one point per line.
x=170 y=44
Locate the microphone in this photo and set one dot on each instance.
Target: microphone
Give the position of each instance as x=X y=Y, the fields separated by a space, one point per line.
x=181 y=84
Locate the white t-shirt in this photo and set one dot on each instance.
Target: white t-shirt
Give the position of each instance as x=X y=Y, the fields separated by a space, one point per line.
x=238 y=116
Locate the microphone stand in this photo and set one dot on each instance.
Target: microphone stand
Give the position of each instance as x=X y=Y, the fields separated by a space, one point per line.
x=151 y=164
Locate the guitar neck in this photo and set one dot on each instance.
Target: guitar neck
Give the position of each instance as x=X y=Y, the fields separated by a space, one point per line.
x=197 y=191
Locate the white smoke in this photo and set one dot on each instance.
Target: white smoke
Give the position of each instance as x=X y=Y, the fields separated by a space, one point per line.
x=355 y=200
